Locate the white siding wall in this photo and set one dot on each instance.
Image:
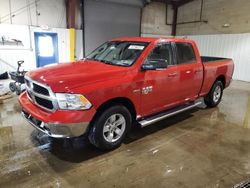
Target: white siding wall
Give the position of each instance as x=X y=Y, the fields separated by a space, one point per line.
x=235 y=46
x=19 y=19
x=9 y=56
x=33 y=12
x=78 y=45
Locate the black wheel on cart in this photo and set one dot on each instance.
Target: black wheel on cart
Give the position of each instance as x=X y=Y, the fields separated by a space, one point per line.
x=12 y=86
x=18 y=90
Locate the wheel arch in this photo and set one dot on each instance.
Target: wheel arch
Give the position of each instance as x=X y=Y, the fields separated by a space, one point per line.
x=116 y=101
x=222 y=79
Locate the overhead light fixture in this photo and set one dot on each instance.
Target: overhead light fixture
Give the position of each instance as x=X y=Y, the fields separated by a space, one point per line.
x=226 y=25
x=44 y=27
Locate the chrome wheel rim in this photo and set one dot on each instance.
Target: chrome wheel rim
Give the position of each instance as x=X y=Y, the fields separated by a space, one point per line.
x=217 y=94
x=114 y=128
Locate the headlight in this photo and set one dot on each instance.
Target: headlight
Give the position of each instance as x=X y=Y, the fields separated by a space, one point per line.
x=72 y=101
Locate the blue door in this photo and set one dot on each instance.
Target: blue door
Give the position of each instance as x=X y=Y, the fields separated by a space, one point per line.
x=46 y=48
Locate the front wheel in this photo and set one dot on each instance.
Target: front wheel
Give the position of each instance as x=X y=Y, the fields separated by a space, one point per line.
x=110 y=127
x=213 y=98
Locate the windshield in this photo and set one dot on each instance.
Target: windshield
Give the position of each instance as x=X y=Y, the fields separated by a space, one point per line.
x=120 y=53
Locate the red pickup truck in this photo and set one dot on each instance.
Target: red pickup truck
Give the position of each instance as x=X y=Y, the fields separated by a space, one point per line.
x=125 y=80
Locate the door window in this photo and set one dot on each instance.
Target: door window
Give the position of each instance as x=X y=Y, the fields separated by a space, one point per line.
x=45 y=46
x=185 y=53
x=161 y=54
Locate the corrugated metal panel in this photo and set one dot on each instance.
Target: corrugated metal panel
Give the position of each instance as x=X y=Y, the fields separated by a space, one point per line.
x=235 y=46
x=104 y=21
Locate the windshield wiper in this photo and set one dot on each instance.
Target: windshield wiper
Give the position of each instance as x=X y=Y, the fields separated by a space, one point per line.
x=107 y=62
x=116 y=64
x=103 y=61
x=93 y=59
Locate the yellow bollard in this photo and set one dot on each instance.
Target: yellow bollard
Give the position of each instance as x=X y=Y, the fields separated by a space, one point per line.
x=72 y=43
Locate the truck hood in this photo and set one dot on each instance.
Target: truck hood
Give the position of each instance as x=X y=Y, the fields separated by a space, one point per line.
x=66 y=76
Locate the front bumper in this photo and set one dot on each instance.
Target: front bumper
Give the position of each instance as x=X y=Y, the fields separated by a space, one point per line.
x=57 y=124
x=57 y=130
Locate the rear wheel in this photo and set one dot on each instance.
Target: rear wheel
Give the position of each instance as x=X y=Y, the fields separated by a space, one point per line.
x=110 y=127
x=213 y=98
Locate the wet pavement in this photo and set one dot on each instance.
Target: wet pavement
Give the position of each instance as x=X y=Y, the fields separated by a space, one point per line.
x=198 y=148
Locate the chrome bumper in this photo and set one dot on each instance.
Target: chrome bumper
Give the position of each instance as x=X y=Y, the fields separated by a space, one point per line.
x=57 y=130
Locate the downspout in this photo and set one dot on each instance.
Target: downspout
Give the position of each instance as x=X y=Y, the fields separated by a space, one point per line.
x=140 y=21
x=10 y=11
x=174 y=24
x=187 y=22
x=201 y=10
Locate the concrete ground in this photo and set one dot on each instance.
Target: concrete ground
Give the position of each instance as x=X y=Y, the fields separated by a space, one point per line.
x=199 y=148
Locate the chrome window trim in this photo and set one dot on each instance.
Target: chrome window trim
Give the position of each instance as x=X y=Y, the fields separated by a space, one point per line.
x=51 y=97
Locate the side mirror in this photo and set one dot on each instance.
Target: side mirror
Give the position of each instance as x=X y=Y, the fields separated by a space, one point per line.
x=154 y=65
x=145 y=67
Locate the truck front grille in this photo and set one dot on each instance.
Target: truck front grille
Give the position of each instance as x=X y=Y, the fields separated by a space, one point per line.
x=43 y=102
x=40 y=89
x=40 y=94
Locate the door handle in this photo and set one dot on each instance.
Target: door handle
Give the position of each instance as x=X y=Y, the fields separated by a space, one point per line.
x=188 y=71
x=172 y=74
x=197 y=71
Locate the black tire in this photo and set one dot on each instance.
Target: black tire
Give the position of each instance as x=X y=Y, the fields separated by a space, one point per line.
x=18 y=90
x=12 y=86
x=96 y=134
x=217 y=89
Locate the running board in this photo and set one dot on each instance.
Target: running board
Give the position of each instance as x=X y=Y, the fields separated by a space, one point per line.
x=169 y=113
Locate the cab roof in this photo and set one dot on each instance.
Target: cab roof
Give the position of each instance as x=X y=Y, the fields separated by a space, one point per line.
x=152 y=39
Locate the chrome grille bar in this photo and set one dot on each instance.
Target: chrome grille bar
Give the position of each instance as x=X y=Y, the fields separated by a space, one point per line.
x=32 y=95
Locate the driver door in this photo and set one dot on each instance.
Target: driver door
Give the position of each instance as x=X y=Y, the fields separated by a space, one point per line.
x=160 y=86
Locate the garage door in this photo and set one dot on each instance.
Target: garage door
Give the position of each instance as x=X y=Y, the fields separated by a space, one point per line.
x=107 y=19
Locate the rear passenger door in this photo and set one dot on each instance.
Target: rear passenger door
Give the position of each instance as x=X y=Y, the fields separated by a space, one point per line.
x=190 y=70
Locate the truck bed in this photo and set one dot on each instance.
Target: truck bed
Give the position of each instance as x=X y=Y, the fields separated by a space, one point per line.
x=209 y=59
x=213 y=68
